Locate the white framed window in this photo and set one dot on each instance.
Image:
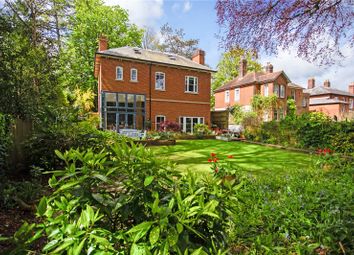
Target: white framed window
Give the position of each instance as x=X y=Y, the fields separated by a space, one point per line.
x=133 y=74
x=351 y=103
x=158 y=120
x=304 y=102
x=227 y=96
x=237 y=95
x=282 y=91
x=191 y=84
x=293 y=94
x=187 y=123
x=119 y=73
x=276 y=90
x=159 y=81
x=265 y=90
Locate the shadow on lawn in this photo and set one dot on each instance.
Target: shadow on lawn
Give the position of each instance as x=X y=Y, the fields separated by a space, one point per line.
x=257 y=159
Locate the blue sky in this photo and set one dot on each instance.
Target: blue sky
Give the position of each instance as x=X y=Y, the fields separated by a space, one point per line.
x=198 y=19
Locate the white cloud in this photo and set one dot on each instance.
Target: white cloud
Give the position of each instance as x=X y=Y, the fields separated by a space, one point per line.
x=141 y=12
x=187 y=6
x=299 y=70
x=176 y=7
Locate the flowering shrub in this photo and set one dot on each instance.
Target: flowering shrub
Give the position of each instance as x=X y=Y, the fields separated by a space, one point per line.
x=169 y=126
x=221 y=169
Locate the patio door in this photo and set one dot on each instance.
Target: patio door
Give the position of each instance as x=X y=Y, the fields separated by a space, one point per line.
x=126 y=120
x=187 y=123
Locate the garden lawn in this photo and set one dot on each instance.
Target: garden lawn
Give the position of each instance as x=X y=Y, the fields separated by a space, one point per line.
x=193 y=155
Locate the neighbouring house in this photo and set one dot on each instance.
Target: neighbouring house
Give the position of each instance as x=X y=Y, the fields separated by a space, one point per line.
x=139 y=88
x=241 y=90
x=337 y=104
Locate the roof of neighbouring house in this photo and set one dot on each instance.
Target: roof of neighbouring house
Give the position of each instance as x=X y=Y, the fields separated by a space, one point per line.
x=145 y=55
x=321 y=90
x=321 y=101
x=295 y=86
x=250 y=78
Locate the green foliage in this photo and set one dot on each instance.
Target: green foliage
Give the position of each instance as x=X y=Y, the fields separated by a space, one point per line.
x=263 y=104
x=92 y=19
x=201 y=130
x=228 y=67
x=5 y=141
x=123 y=200
x=291 y=108
x=237 y=113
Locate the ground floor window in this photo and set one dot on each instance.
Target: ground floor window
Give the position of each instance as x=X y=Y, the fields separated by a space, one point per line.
x=187 y=123
x=159 y=120
x=122 y=111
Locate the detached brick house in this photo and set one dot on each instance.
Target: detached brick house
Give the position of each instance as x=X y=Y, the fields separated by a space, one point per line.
x=241 y=90
x=337 y=104
x=139 y=89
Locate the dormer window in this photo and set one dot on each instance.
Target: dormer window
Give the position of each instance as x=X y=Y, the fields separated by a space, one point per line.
x=133 y=75
x=119 y=73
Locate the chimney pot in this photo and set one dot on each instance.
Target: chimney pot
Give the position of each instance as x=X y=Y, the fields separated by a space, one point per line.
x=199 y=57
x=326 y=83
x=311 y=83
x=269 y=68
x=103 y=43
x=351 y=87
x=243 y=67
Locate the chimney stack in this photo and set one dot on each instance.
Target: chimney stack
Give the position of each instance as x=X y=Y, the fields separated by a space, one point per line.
x=326 y=84
x=199 y=57
x=311 y=83
x=269 y=68
x=351 y=88
x=103 y=43
x=243 y=67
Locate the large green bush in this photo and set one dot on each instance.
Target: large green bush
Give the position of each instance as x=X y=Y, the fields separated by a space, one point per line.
x=5 y=141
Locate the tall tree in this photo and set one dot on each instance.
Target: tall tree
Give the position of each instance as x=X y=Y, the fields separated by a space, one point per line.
x=150 y=39
x=315 y=28
x=172 y=40
x=91 y=19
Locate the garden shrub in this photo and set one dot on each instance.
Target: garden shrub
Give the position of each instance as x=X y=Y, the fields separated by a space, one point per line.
x=5 y=141
x=123 y=200
x=169 y=126
x=201 y=130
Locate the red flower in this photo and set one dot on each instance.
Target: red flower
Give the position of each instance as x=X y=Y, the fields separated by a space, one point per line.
x=216 y=160
x=212 y=155
x=230 y=156
x=210 y=160
x=216 y=170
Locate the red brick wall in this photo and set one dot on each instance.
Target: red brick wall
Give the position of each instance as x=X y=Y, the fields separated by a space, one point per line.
x=329 y=109
x=174 y=88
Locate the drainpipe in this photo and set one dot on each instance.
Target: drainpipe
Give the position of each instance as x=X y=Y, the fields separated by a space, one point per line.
x=150 y=96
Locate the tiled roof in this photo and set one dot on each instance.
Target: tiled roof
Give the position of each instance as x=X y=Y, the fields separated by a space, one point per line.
x=249 y=78
x=154 y=56
x=295 y=86
x=319 y=101
x=321 y=90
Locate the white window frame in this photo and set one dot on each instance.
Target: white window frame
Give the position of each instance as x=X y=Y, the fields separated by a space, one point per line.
x=237 y=94
x=195 y=85
x=122 y=70
x=304 y=102
x=201 y=120
x=266 y=90
x=276 y=91
x=227 y=96
x=282 y=91
x=156 y=123
x=164 y=81
x=131 y=74
x=351 y=103
x=293 y=94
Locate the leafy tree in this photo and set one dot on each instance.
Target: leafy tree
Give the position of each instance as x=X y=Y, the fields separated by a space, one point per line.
x=150 y=39
x=291 y=108
x=172 y=40
x=229 y=65
x=263 y=105
x=90 y=20
x=316 y=29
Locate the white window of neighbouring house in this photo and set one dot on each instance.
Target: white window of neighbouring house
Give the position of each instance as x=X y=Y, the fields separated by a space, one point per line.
x=293 y=94
x=282 y=91
x=119 y=73
x=237 y=95
x=276 y=90
x=227 y=96
x=304 y=102
x=351 y=103
x=159 y=81
x=133 y=74
x=187 y=123
x=191 y=84
x=266 y=91
x=159 y=120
